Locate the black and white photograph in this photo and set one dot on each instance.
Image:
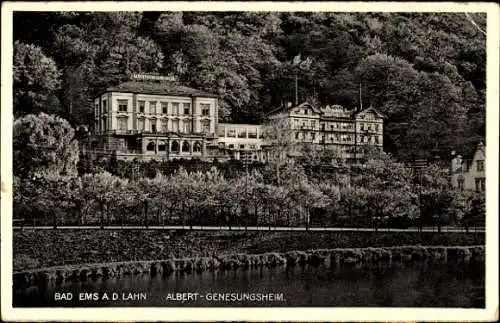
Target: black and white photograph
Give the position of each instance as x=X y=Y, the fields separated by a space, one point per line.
x=273 y=159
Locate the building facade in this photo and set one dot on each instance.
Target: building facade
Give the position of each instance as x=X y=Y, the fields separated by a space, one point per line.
x=150 y=118
x=155 y=120
x=333 y=128
x=470 y=174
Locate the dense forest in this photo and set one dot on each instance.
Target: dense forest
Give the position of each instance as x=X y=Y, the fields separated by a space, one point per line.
x=425 y=71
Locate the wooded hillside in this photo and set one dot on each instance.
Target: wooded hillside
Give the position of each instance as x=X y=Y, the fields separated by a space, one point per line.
x=425 y=71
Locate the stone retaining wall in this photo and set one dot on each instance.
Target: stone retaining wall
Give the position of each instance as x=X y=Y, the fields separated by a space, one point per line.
x=332 y=257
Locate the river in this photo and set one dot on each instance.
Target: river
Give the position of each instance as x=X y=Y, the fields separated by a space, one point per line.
x=419 y=284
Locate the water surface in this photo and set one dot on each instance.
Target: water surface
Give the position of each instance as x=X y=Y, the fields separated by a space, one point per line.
x=419 y=284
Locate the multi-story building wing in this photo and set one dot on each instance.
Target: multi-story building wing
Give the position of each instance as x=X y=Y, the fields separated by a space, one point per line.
x=160 y=120
x=470 y=174
x=333 y=128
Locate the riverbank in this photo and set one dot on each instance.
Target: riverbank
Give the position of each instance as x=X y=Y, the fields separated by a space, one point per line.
x=330 y=257
x=34 y=249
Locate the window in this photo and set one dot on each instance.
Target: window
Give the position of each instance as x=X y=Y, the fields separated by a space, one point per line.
x=297 y=135
x=242 y=133
x=331 y=126
x=376 y=127
x=164 y=107
x=376 y=140
x=252 y=133
x=221 y=131
x=231 y=146
x=104 y=123
x=187 y=108
x=313 y=123
x=142 y=124
x=197 y=147
x=153 y=125
x=313 y=136
x=175 y=147
x=122 y=124
x=175 y=125
x=205 y=109
x=205 y=126
x=480 y=165
x=242 y=146
x=461 y=184
x=164 y=126
x=150 y=146
x=152 y=107
x=480 y=184
x=187 y=126
x=96 y=109
x=161 y=146
x=142 y=104
x=251 y=146
x=122 y=105
x=104 y=106
x=185 y=147
x=306 y=111
x=175 y=108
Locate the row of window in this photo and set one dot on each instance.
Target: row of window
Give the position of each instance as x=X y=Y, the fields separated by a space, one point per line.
x=479 y=182
x=238 y=133
x=152 y=125
x=301 y=124
x=175 y=147
x=242 y=146
x=369 y=126
x=312 y=136
x=176 y=109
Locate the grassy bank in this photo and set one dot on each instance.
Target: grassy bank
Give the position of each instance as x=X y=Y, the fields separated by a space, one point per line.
x=330 y=257
x=48 y=248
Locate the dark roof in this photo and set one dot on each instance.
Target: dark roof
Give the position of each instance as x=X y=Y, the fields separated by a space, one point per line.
x=378 y=113
x=157 y=88
x=286 y=108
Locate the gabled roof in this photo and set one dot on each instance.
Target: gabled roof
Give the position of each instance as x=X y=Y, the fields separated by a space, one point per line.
x=370 y=109
x=302 y=105
x=157 y=88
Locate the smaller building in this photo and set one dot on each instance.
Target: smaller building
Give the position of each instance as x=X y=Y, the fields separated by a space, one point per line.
x=241 y=141
x=470 y=174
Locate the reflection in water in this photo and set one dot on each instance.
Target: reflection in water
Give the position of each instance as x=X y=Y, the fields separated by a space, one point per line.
x=396 y=285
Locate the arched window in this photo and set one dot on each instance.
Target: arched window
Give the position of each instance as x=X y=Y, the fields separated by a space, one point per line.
x=185 y=147
x=161 y=146
x=175 y=146
x=150 y=146
x=197 y=147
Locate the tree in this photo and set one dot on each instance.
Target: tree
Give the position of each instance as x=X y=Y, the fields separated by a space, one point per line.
x=44 y=142
x=36 y=79
x=278 y=135
x=106 y=190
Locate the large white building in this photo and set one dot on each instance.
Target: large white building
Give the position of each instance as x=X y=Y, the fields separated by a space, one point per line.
x=147 y=119
x=152 y=117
